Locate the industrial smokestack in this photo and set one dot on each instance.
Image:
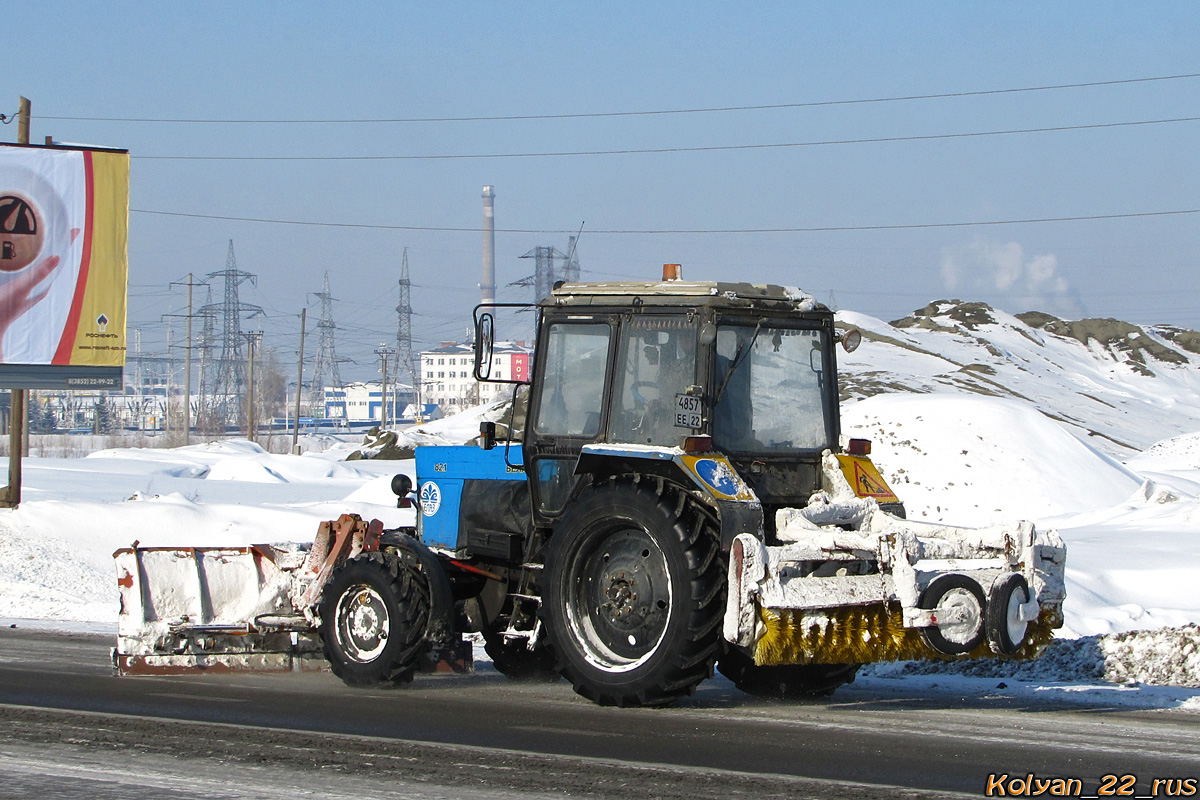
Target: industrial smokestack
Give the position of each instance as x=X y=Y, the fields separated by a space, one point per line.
x=488 y=286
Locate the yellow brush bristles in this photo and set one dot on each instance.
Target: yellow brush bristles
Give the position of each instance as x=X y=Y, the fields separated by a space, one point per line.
x=862 y=635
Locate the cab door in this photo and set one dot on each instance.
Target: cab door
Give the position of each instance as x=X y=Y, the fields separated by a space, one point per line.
x=568 y=407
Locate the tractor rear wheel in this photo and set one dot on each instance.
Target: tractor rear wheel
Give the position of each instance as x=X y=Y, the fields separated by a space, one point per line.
x=374 y=610
x=632 y=600
x=785 y=681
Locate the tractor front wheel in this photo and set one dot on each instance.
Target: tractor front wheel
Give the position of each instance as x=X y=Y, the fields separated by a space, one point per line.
x=374 y=610
x=632 y=600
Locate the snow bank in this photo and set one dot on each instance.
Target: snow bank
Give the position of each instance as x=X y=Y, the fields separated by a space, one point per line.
x=1123 y=387
x=1165 y=657
x=978 y=460
x=56 y=549
x=1133 y=541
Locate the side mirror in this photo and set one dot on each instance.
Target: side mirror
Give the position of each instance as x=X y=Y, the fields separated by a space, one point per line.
x=402 y=486
x=484 y=343
x=487 y=435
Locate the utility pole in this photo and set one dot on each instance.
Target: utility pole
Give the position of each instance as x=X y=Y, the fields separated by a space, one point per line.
x=16 y=417
x=23 y=114
x=384 y=352
x=299 y=382
x=253 y=337
x=187 y=373
x=207 y=336
x=169 y=381
x=187 y=360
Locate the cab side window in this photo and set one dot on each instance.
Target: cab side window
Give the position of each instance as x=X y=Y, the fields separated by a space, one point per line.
x=573 y=383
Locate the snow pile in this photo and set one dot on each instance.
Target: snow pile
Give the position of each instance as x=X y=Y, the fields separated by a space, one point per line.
x=45 y=577
x=457 y=429
x=1164 y=657
x=1182 y=452
x=56 y=549
x=1119 y=386
x=1133 y=537
x=971 y=460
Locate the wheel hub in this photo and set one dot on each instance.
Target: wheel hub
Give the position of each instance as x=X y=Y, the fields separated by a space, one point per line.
x=959 y=616
x=623 y=597
x=362 y=623
x=622 y=604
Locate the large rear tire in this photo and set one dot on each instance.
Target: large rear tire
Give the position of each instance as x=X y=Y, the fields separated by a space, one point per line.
x=787 y=681
x=374 y=612
x=633 y=597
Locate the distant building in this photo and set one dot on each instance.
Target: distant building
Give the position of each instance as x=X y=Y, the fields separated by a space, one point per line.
x=447 y=374
x=359 y=404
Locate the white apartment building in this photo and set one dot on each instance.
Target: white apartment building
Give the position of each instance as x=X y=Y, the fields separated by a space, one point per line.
x=447 y=374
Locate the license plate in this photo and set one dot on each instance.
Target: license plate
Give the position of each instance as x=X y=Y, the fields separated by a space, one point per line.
x=688 y=411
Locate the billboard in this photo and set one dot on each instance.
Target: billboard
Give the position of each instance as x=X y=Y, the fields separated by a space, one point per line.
x=64 y=226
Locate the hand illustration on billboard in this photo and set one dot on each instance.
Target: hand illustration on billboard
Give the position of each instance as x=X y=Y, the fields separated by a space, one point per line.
x=16 y=295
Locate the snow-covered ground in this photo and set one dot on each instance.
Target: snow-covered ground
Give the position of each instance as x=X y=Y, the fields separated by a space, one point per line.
x=56 y=548
x=1132 y=528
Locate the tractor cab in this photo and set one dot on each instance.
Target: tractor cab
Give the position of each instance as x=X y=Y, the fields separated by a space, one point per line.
x=628 y=373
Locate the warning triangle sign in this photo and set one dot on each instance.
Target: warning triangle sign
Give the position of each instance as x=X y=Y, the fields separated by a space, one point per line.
x=867 y=483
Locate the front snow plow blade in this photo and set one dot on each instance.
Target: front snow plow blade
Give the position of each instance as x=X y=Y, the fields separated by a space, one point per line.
x=850 y=583
x=219 y=609
x=209 y=609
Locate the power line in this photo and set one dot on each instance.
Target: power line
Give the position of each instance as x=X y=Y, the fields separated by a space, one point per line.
x=698 y=149
x=648 y=113
x=680 y=231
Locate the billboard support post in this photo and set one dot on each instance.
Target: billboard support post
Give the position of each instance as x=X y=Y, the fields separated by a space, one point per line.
x=16 y=424
x=11 y=497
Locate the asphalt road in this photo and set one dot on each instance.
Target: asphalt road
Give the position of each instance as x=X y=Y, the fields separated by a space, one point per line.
x=68 y=728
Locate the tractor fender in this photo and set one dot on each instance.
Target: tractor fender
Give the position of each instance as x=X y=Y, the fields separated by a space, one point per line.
x=737 y=506
x=441 y=596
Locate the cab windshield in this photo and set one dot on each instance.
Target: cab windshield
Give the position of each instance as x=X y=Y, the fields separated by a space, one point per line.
x=771 y=385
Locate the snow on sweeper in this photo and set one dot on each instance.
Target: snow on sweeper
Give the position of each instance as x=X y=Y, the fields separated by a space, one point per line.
x=678 y=496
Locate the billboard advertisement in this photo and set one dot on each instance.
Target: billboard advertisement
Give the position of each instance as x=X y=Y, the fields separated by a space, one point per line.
x=64 y=224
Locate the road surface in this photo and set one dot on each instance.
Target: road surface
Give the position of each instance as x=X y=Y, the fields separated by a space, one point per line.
x=68 y=728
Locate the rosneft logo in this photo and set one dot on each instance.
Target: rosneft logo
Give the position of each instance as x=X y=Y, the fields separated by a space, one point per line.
x=22 y=233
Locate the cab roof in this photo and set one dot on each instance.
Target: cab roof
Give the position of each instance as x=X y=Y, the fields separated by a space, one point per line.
x=680 y=292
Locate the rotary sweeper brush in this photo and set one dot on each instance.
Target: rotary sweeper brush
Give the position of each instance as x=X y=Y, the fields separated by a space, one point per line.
x=669 y=492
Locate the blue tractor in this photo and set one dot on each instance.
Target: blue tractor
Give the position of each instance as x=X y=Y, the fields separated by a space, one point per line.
x=669 y=494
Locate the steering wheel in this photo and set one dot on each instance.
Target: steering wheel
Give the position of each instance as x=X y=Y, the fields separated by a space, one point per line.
x=637 y=395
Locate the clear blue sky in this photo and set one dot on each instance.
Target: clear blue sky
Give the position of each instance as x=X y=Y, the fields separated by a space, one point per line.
x=353 y=61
